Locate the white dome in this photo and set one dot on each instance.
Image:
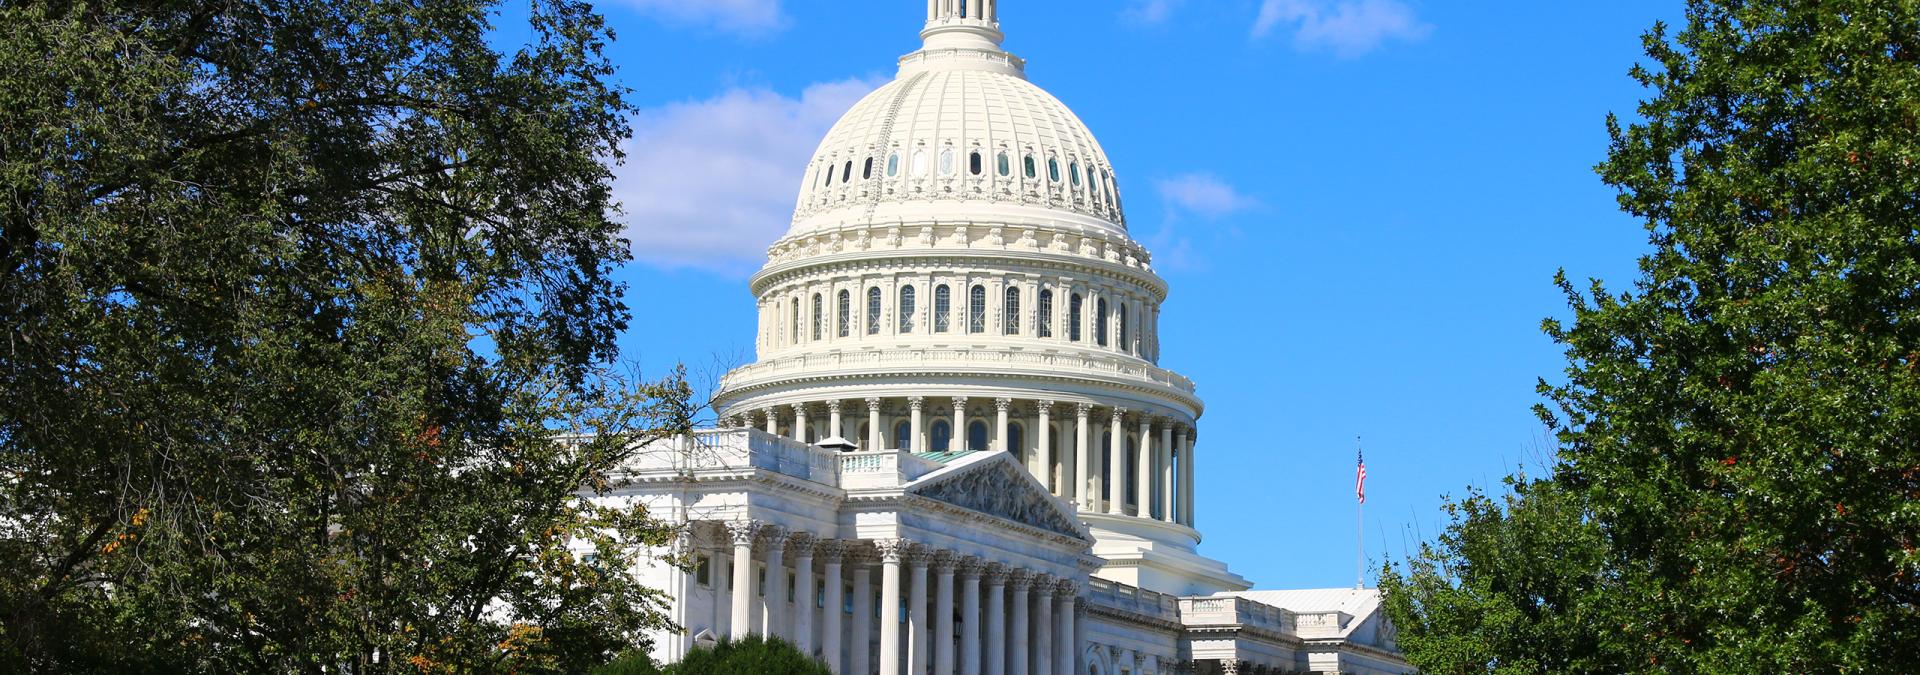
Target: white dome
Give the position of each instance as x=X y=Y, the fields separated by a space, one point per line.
x=959 y=134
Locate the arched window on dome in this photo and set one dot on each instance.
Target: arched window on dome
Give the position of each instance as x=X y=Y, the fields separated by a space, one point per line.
x=1075 y=316
x=1028 y=165
x=816 y=316
x=974 y=164
x=1016 y=439
x=873 y=311
x=942 y=308
x=941 y=435
x=902 y=436
x=893 y=165
x=946 y=161
x=1053 y=170
x=977 y=436
x=977 y=310
x=861 y=440
x=1044 y=327
x=1125 y=344
x=919 y=162
x=1010 y=311
x=846 y=175
x=846 y=312
x=1100 y=322
x=906 y=309
x=866 y=170
x=1001 y=163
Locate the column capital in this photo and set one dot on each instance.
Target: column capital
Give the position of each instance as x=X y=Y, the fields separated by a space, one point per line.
x=1118 y=414
x=995 y=574
x=920 y=555
x=802 y=543
x=1020 y=579
x=917 y=402
x=800 y=408
x=1045 y=406
x=1082 y=410
x=1044 y=584
x=1066 y=588
x=873 y=403
x=959 y=406
x=774 y=534
x=892 y=550
x=970 y=567
x=1002 y=404
x=743 y=532
x=833 y=405
x=831 y=550
x=944 y=561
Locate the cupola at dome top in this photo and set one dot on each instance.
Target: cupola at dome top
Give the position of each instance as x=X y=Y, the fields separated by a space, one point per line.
x=960 y=135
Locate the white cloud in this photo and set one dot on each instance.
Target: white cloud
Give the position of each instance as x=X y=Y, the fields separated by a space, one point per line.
x=709 y=184
x=1150 y=11
x=751 y=17
x=1201 y=194
x=1345 y=27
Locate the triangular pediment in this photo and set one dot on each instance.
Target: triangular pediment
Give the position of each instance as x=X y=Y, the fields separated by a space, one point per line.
x=995 y=484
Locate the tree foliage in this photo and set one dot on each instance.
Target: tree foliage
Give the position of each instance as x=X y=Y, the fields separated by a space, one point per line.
x=1738 y=485
x=751 y=654
x=301 y=303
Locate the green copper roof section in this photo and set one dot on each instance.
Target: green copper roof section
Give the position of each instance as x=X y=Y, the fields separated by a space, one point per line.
x=944 y=457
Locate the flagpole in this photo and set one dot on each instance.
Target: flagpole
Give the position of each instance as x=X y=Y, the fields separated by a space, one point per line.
x=1360 y=518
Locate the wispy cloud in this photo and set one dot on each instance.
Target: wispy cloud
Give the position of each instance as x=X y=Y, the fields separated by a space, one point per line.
x=746 y=17
x=1150 y=11
x=709 y=184
x=1201 y=194
x=1347 y=28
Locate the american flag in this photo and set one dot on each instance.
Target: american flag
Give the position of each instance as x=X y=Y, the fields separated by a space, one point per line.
x=1360 y=479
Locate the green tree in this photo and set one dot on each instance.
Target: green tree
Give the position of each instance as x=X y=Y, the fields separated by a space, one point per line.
x=1738 y=484
x=752 y=654
x=303 y=303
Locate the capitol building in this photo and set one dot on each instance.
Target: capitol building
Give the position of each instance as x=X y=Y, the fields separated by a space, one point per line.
x=956 y=451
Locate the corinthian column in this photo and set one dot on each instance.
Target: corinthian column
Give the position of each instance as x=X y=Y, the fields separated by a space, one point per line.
x=860 y=637
x=876 y=436
x=776 y=603
x=833 y=418
x=1000 y=406
x=1188 y=476
x=1044 y=451
x=892 y=551
x=802 y=623
x=1017 y=634
x=830 y=553
x=800 y=422
x=1143 y=470
x=996 y=657
x=1164 y=457
x=742 y=533
x=917 y=404
x=1117 y=463
x=1043 y=587
x=970 y=568
x=1082 y=457
x=772 y=416
x=943 y=564
x=918 y=654
x=1066 y=647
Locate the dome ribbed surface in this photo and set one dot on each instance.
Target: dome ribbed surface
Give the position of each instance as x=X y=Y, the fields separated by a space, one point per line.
x=946 y=133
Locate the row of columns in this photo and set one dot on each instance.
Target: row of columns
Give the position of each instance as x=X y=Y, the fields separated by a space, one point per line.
x=1163 y=454
x=1011 y=621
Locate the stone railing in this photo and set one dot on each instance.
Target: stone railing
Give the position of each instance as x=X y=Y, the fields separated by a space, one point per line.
x=1221 y=611
x=878 y=360
x=734 y=449
x=882 y=469
x=1104 y=593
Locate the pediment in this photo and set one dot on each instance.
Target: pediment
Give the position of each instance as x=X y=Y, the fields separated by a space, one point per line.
x=995 y=484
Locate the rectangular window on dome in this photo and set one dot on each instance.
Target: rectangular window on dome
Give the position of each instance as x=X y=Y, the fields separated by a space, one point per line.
x=942 y=308
x=1044 y=327
x=1075 y=317
x=846 y=314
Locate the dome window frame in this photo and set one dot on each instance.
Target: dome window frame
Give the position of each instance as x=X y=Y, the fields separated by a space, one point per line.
x=1003 y=164
x=893 y=165
x=907 y=302
x=976 y=165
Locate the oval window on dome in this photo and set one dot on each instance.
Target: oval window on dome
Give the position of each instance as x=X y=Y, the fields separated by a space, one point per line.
x=1074 y=171
x=846 y=175
x=893 y=165
x=919 y=162
x=829 y=175
x=1029 y=166
x=1053 y=169
x=946 y=161
x=866 y=170
x=974 y=164
x=1003 y=165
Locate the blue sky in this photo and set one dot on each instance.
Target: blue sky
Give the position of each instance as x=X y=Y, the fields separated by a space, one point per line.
x=1360 y=205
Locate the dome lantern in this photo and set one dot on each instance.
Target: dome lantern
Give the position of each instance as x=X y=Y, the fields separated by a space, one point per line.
x=973 y=24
